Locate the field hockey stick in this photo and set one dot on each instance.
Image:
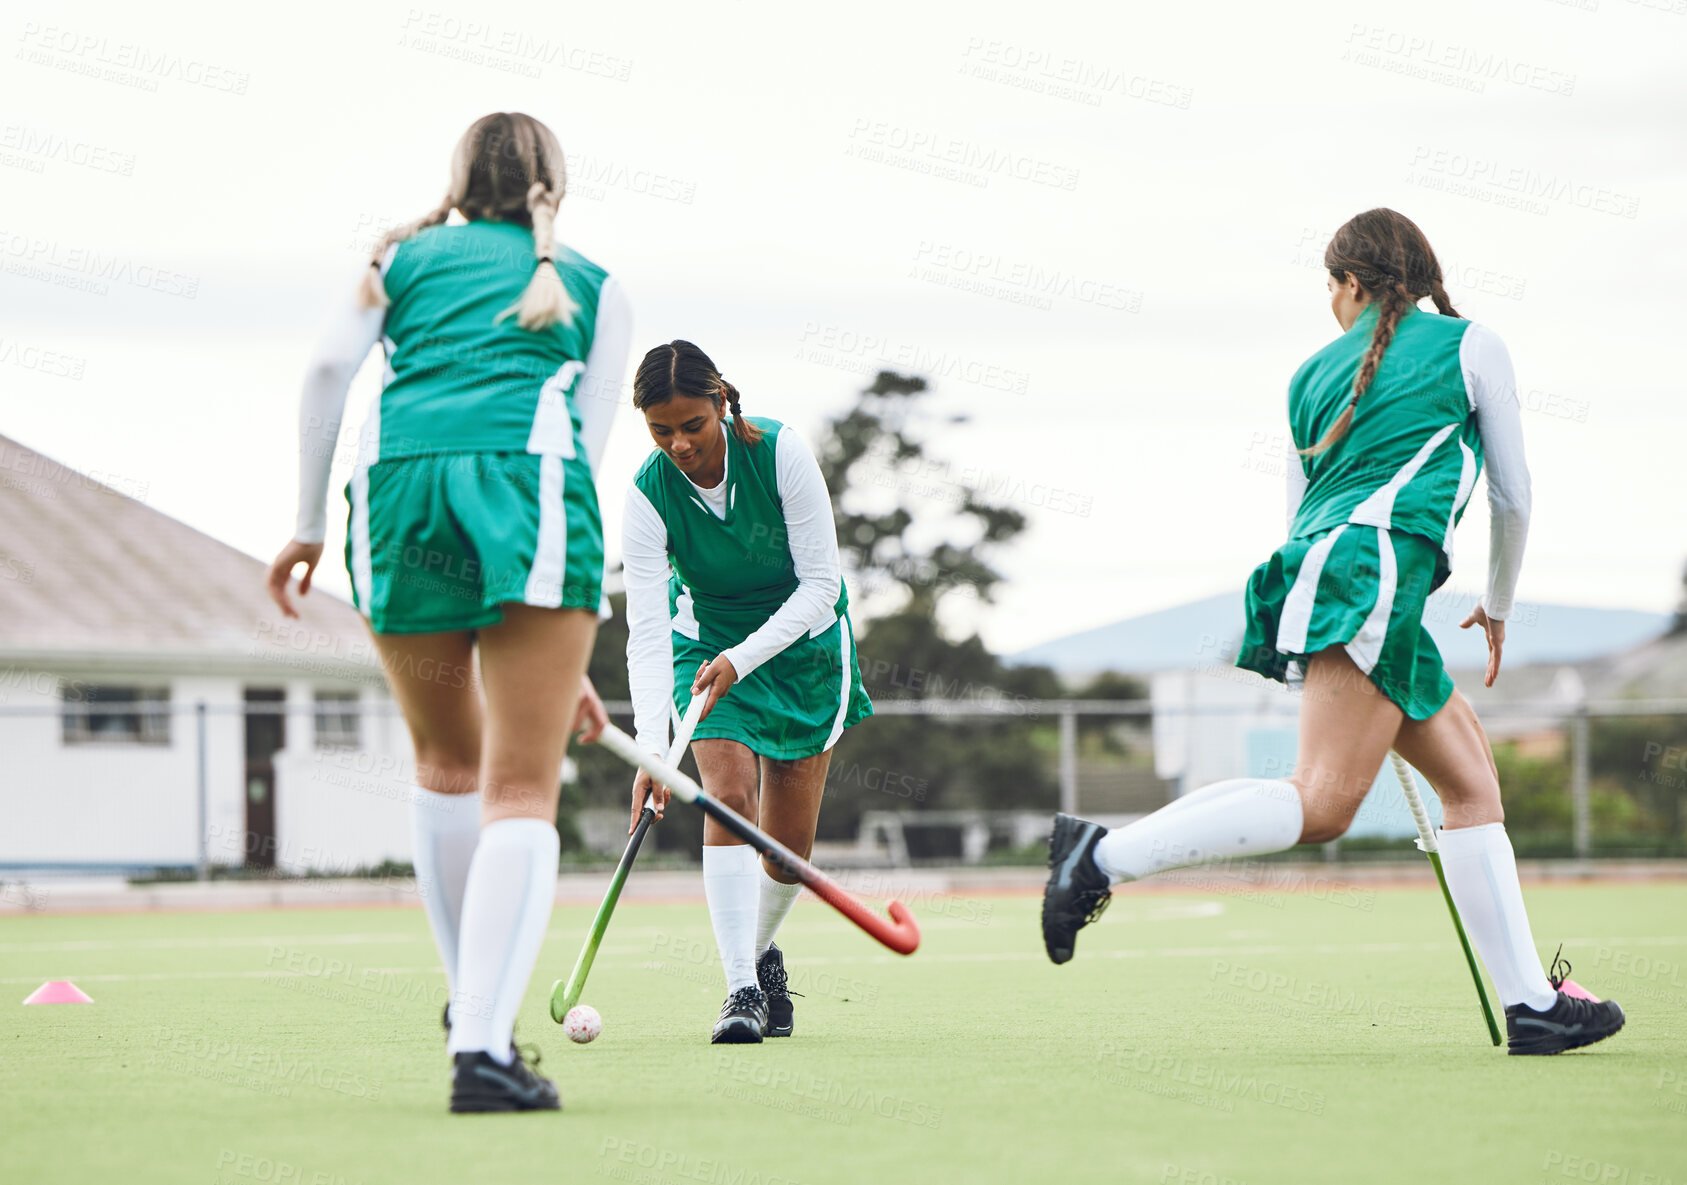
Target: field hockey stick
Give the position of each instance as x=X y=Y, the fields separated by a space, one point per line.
x=901 y=933
x=1428 y=845
x=564 y=995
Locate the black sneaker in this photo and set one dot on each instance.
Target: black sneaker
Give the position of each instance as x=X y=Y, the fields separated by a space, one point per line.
x=480 y=1084
x=1570 y=1023
x=1077 y=891
x=770 y=971
x=742 y=1018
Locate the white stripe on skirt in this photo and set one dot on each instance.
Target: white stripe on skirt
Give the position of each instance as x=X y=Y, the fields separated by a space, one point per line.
x=368 y=452
x=843 y=695
x=1297 y=606
x=362 y=574
x=544 y=579
x=1366 y=647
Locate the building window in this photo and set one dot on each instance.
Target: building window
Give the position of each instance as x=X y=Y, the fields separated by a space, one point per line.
x=337 y=717
x=103 y=715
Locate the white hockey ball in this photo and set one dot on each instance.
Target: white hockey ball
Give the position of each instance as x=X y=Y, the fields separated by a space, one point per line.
x=582 y=1024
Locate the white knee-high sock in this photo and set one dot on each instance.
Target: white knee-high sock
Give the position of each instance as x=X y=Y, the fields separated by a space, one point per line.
x=444 y=829
x=1481 y=872
x=730 y=875
x=776 y=902
x=506 y=909
x=1240 y=817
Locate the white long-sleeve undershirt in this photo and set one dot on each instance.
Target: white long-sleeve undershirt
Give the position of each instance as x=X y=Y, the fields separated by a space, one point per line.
x=813 y=541
x=1491 y=387
x=352 y=332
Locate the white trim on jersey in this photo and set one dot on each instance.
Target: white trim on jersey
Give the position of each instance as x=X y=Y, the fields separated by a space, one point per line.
x=1297 y=606
x=552 y=433
x=1467 y=482
x=1366 y=646
x=844 y=685
x=369 y=436
x=1378 y=509
x=544 y=579
x=685 y=616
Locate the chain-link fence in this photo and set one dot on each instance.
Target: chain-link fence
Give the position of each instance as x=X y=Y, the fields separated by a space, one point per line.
x=138 y=778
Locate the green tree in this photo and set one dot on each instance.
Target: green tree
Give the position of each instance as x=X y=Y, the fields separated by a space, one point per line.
x=877 y=446
x=912 y=536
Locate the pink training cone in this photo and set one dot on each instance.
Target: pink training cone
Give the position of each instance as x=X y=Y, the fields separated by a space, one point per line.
x=1571 y=988
x=59 y=991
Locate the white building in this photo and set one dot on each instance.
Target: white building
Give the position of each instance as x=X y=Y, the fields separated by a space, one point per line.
x=116 y=623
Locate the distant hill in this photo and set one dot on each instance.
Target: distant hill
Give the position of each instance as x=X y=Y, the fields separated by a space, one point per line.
x=1204 y=631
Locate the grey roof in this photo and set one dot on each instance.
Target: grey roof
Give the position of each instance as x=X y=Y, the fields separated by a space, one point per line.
x=1657 y=670
x=90 y=576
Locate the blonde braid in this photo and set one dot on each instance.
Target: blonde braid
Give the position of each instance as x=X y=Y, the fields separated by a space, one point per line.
x=545 y=301
x=373 y=291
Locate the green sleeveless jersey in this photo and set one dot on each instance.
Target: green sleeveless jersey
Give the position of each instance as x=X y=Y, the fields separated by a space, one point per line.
x=729 y=575
x=1412 y=454
x=459 y=379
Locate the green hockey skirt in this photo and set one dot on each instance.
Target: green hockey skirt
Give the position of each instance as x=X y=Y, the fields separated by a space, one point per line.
x=1359 y=587
x=796 y=704
x=443 y=541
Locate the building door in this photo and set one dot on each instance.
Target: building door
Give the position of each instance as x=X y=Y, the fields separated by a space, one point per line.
x=266 y=733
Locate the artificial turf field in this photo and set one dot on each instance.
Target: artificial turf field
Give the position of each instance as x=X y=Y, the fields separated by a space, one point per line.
x=1197 y=1037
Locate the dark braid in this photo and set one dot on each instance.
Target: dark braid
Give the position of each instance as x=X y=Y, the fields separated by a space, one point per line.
x=1443 y=303
x=680 y=368
x=1395 y=265
x=746 y=432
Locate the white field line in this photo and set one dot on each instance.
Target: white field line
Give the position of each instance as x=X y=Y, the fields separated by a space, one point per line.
x=174 y=975
x=1175 y=952
x=9 y=948
x=816 y=926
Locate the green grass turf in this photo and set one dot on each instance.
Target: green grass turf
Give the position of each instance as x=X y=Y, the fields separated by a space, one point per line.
x=1197 y=1038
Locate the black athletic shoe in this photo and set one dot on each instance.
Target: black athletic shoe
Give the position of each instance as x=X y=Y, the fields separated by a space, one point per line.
x=481 y=1084
x=770 y=971
x=1570 y=1023
x=1077 y=891
x=742 y=1018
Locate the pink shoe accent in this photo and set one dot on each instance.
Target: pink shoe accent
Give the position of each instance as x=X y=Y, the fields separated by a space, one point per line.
x=59 y=991
x=1571 y=988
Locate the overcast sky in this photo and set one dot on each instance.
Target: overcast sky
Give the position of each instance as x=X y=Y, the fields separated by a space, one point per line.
x=1100 y=224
